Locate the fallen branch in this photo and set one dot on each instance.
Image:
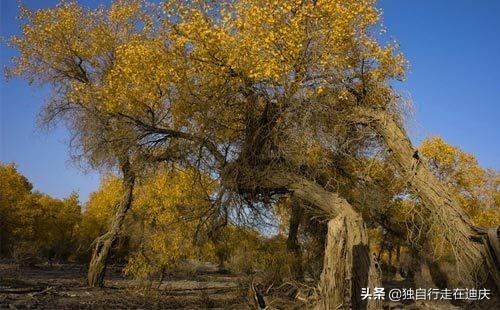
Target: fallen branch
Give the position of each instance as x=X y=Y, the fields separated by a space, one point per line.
x=48 y=289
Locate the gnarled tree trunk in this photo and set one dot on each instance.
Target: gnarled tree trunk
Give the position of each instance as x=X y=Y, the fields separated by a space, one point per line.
x=447 y=214
x=104 y=243
x=348 y=266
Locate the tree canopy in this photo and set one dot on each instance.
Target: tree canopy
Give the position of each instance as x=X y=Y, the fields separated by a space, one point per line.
x=264 y=99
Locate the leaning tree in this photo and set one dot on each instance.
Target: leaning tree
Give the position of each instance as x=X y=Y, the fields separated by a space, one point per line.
x=270 y=98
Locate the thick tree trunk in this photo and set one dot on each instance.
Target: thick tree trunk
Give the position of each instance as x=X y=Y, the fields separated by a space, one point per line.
x=348 y=266
x=423 y=277
x=452 y=222
x=429 y=274
x=104 y=243
x=292 y=242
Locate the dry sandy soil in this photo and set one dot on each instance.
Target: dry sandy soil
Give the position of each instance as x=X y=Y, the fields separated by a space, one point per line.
x=63 y=287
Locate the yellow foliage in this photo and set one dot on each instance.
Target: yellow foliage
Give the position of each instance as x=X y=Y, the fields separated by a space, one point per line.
x=97 y=212
x=474 y=187
x=166 y=206
x=34 y=224
x=189 y=61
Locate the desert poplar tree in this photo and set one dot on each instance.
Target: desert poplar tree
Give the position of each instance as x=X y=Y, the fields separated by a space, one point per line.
x=265 y=96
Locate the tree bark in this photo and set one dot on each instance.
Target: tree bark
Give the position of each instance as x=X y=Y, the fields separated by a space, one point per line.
x=292 y=242
x=103 y=244
x=452 y=222
x=348 y=266
x=423 y=277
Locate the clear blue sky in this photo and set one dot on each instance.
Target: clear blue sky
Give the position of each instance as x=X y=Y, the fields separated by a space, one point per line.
x=453 y=47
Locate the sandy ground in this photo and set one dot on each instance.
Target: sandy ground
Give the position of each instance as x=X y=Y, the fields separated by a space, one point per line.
x=63 y=287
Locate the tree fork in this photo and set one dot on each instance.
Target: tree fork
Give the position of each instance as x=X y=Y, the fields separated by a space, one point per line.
x=104 y=243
